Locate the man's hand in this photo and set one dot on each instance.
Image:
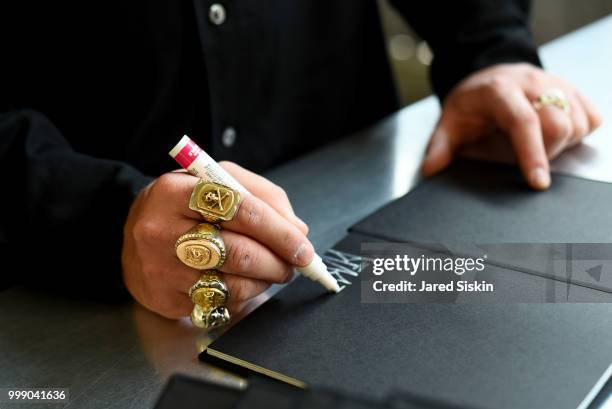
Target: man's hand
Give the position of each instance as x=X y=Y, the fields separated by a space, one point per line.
x=500 y=98
x=264 y=241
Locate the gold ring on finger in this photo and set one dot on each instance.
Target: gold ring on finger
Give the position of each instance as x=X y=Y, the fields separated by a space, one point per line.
x=552 y=97
x=202 y=247
x=215 y=202
x=209 y=295
x=210 y=290
x=209 y=317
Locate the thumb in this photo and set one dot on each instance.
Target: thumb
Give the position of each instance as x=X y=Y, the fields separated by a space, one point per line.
x=440 y=150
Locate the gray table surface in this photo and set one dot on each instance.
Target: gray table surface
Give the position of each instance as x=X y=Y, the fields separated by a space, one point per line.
x=120 y=356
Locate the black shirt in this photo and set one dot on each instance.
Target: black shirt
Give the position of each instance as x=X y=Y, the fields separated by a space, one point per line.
x=97 y=93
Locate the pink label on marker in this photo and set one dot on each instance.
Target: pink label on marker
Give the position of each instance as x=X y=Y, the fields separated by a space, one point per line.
x=188 y=154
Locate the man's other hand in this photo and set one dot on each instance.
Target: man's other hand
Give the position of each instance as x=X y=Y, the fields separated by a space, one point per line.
x=499 y=101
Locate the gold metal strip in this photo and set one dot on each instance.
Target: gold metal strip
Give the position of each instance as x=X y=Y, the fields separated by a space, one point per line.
x=256 y=368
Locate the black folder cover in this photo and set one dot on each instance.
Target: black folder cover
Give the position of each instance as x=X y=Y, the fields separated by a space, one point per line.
x=484 y=204
x=499 y=356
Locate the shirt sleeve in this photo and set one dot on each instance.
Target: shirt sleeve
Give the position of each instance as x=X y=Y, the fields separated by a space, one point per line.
x=62 y=212
x=468 y=35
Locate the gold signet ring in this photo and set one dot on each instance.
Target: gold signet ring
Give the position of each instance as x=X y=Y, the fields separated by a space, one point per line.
x=215 y=202
x=202 y=247
x=212 y=282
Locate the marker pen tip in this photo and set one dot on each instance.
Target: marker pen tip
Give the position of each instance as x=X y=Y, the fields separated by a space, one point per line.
x=317 y=271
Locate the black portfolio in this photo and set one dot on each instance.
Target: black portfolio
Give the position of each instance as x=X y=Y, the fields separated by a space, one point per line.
x=491 y=355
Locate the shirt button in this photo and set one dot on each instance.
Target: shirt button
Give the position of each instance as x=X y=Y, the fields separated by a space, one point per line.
x=216 y=14
x=228 y=138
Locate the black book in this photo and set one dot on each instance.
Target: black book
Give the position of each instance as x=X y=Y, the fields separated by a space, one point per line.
x=498 y=355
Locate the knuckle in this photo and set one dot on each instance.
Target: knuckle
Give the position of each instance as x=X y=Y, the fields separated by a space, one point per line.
x=526 y=66
x=226 y=164
x=166 y=307
x=239 y=290
x=156 y=304
x=164 y=182
x=251 y=213
x=581 y=129
x=280 y=193
x=173 y=314
x=242 y=257
x=282 y=275
x=292 y=244
x=524 y=117
x=532 y=74
x=176 y=306
x=291 y=240
x=556 y=130
x=245 y=289
x=597 y=120
x=156 y=297
x=171 y=185
x=150 y=272
x=497 y=85
x=148 y=231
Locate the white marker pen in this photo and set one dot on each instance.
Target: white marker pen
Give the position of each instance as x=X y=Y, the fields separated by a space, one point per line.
x=197 y=162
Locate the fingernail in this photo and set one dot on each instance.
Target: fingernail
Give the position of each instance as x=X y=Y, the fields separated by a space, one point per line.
x=539 y=178
x=303 y=255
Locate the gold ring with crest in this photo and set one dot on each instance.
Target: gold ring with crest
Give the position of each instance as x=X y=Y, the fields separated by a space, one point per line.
x=215 y=202
x=202 y=247
x=210 y=290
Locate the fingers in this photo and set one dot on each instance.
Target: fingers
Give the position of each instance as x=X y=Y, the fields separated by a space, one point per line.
x=172 y=305
x=240 y=288
x=267 y=191
x=172 y=298
x=593 y=115
x=164 y=288
x=177 y=304
x=160 y=286
x=255 y=218
x=247 y=258
x=557 y=129
x=158 y=237
x=172 y=192
x=258 y=220
x=180 y=185
x=516 y=116
x=453 y=131
x=244 y=255
x=440 y=151
x=562 y=129
x=579 y=120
